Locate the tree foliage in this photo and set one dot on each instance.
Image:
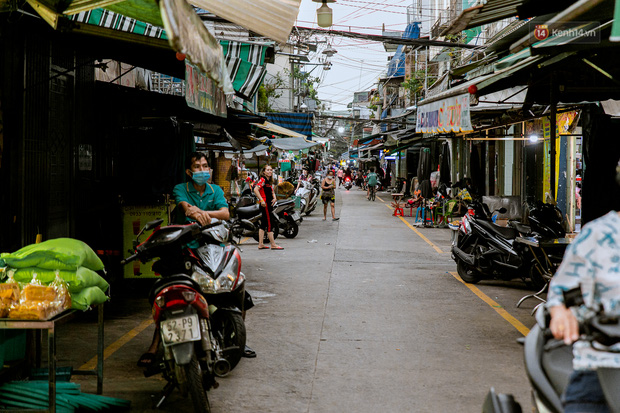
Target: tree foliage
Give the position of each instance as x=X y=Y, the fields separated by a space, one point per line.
x=268 y=92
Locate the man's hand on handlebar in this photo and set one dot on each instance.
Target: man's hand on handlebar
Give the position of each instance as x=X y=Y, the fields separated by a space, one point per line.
x=198 y=215
x=564 y=325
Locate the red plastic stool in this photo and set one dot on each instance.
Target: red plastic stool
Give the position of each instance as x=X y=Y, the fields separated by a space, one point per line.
x=399 y=212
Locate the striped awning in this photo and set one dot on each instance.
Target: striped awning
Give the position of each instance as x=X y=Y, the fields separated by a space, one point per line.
x=115 y=21
x=299 y=122
x=245 y=62
x=246 y=66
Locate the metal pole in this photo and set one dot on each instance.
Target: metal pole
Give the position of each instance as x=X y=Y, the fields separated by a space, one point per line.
x=552 y=124
x=426 y=72
x=292 y=84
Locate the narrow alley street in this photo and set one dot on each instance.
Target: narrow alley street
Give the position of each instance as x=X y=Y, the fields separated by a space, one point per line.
x=364 y=314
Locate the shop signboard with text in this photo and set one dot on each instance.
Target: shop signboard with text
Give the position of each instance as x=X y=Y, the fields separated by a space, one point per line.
x=134 y=219
x=447 y=115
x=202 y=93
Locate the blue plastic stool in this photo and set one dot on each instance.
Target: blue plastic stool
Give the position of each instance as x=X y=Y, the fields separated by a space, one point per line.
x=419 y=214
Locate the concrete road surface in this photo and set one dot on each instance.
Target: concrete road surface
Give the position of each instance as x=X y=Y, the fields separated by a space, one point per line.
x=364 y=314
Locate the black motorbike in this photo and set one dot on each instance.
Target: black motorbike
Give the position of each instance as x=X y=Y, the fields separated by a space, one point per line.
x=197 y=305
x=289 y=219
x=246 y=218
x=484 y=250
x=548 y=362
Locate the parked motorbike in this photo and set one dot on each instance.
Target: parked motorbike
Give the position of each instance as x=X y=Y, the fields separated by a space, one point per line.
x=484 y=250
x=197 y=305
x=548 y=362
x=309 y=196
x=246 y=218
x=289 y=219
x=348 y=183
x=545 y=220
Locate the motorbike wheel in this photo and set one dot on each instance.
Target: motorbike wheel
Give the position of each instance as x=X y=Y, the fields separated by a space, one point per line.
x=193 y=375
x=537 y=280
x=292 y=228
x=308 y=212
x=276 y=232
x=467 y=274
x=232 y=335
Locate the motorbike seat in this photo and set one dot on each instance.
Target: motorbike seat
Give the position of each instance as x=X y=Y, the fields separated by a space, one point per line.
x=522 y=228
x=248 y=211
x=284 y=202
x=506 y=232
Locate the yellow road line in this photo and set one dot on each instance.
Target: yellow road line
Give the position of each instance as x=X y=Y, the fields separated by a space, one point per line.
x=498 y=308
x=112 y=348
x=428 y=241
x=379 y=199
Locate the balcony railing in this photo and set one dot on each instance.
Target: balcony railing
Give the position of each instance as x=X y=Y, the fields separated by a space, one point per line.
x=442 y=22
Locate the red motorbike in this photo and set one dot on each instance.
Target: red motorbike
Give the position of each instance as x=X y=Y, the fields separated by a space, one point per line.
x=197 y=305
x=348 y=183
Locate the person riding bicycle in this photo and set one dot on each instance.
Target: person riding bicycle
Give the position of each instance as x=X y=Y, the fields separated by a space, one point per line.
x=371 y=181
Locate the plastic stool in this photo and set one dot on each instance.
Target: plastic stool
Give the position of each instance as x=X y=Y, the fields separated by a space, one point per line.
x=427 y=217
x=419 y=214
x=399 y=212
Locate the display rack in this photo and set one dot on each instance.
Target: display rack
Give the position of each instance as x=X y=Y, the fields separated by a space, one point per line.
x=50 y=326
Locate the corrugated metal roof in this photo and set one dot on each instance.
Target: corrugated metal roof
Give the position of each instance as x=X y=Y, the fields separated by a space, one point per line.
x=491 y=11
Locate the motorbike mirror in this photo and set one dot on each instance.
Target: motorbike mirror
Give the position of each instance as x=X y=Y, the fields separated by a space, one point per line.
x=153 y=224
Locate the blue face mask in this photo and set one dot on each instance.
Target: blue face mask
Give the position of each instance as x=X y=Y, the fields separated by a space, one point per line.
x=201 y=177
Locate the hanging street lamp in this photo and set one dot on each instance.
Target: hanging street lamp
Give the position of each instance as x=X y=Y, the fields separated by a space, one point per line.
x=324 y=13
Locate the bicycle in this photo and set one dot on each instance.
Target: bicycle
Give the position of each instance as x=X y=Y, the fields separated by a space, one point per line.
x=372 y=192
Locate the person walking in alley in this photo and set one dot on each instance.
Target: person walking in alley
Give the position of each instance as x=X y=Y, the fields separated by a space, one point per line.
x=340 y=176
x=329 y=195
x=371 y=180
x=267 y=197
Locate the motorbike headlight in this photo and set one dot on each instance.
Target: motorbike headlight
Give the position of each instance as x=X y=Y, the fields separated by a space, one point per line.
x=226 y=281
x=207 y=284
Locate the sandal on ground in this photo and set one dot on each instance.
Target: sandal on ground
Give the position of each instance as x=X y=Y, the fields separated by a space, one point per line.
x=335 y=219
x=277 y=248
x=324 y=219
x=146 y=360
x=248 y=353
x=263 y=247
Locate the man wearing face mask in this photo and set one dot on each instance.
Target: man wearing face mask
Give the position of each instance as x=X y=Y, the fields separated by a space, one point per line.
x=198 y=199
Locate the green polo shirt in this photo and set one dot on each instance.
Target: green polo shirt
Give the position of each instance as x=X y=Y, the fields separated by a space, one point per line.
x=212 y=199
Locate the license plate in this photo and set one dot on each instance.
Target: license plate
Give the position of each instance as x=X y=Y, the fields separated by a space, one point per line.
x=180 y=330
x=296 y=216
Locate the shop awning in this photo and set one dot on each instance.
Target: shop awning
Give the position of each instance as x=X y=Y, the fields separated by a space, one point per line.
x=273 y=128
x=246 y=65
x=292 y=144
x=491 y=11
x=177 y=23
x=186 y=32
x=296 y=121
x=406 y=144
x=483 y=81
x=273 y=19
